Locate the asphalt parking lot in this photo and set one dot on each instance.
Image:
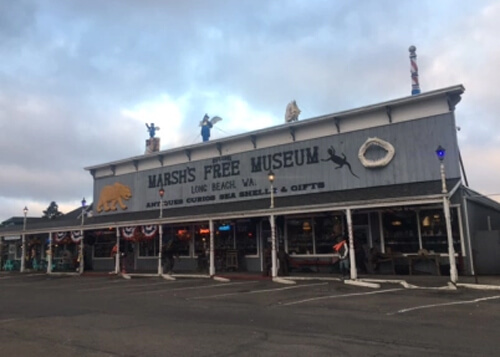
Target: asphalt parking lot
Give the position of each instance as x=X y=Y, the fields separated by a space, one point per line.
x=44 y=315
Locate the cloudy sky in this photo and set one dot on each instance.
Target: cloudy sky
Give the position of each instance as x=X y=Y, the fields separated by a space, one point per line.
x=80 y=78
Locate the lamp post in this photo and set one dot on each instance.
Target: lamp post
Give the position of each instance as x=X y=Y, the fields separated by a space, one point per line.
x=161 y=192
x=271 y=178
x=441 y=152
x=80 y=253
x=274 y=269
x=23 y=241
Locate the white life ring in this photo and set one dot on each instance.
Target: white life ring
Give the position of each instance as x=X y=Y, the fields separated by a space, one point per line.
x=383 y=161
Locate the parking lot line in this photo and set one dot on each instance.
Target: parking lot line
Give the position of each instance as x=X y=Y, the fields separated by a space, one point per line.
x=197 y=287
x=402 y=311
x=256 y=291
x=339 y=296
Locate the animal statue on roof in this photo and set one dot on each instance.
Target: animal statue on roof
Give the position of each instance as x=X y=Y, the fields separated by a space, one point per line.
x=206 y=125
x=292 y=112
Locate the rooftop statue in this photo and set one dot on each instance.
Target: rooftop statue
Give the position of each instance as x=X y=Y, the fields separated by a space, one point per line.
x=206 y=125
x=152 y=129
x=292 y=112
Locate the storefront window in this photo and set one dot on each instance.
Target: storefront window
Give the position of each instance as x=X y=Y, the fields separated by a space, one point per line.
x=246 y=237
x=104 y=244
x=19 y=251
x=224 y=236
x=184 y=236
x=313 y=236
x=149 y=247
x=400 y=231
x=326 y=230
x=201 y=239
x=433 y=230
x=300 y=236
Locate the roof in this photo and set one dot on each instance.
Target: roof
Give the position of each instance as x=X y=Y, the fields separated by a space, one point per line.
x=452 y=93
x=481 y=199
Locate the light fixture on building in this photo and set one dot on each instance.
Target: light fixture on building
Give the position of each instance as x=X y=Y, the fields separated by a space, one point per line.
x=306 y=226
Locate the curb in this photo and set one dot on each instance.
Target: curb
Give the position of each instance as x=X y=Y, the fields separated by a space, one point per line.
x=312 y=278
x=284 y=281
x=479 y=286
x=63 y=274
x=193 y=276
x=167 y=277
x=362 y=283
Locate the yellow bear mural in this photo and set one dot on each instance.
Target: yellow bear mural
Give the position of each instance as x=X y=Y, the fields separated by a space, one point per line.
x=111 y=195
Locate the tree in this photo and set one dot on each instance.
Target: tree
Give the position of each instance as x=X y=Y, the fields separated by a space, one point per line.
x=52 y=211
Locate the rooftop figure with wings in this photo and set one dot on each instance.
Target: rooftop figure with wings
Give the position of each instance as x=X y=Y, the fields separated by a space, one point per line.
x=152 y=129
x=207 y=124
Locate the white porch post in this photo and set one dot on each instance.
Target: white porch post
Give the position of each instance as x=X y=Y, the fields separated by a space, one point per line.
x=23 y=242
x=49 y=255
x=211 y=249
x=80 y=254
x=451 y=249
x=161 y=192
x=440 y=152
x=352 y=256
x=160 y=247
x=274 y=270
x=117 y=255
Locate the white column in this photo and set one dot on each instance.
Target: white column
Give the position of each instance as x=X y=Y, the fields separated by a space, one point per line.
x=211 y=248
x=274 y=270
x=80 y=254
x=449 y=233
x=23 y=252
x=117 y=256
x=49 y=255
x=23 y=242
x=160 y=247
x=352 y=256
x=451 y=249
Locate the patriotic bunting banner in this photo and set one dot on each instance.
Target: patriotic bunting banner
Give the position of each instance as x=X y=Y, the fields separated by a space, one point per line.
x=59 y=236
x=128 y=232
x=149 y=231
x=76 y=236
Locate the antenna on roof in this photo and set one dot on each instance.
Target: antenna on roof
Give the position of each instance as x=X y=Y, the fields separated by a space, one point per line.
x=415 y=86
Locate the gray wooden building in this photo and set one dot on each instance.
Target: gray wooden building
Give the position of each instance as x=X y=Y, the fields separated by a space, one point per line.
x=370 y=174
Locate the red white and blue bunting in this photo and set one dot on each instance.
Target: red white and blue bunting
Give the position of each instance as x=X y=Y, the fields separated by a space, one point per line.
x=128 y=233
x=59 y=236
x=76 y=236
x=149 y=231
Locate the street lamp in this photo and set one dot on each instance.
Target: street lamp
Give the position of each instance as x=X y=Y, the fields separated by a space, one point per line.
x=161 y=192
x=23 y=241
x=80 y=253
x=441 y=152
x=271 y=178
x=274 y=269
